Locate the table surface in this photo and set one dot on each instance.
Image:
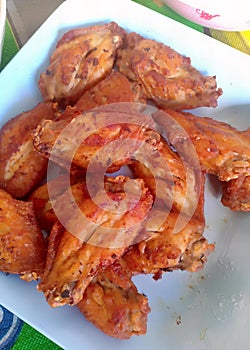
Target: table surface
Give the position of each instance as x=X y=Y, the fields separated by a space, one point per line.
x=25 y=17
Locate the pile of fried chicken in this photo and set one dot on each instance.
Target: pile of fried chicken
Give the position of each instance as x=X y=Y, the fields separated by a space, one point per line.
x=122 y=100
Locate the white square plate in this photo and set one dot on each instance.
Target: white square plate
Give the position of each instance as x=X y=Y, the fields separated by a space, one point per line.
x=209 y=310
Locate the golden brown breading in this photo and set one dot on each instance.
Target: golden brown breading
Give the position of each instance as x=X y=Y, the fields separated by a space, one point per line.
x=81 y=59
x=22 y=168
x=114 y=88
x=80 y=140
x=222 y=150
x=112 y=303
x=174 y=184
x=236 y=193
x=22 y=245
x=176 y=243
x=169 y=251
x=45 y=195
x=44 y=213
x=247 y=132
x=106 y=226
x=167 y=77
x=42 y=201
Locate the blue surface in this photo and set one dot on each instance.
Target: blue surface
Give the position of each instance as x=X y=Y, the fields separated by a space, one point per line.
x=10 y=327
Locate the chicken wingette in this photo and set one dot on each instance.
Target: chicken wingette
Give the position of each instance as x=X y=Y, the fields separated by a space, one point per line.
x=82 y=58
x=113 y=304
x=222 y=150
x=178 y=242
x=167 y=77
x=22 y=167
x=109 y=136
x=236 y=193
x=22 y=245
x=99 y=230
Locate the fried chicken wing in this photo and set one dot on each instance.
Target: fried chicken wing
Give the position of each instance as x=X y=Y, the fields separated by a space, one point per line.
x=171 y=247
x=42 y=203
x=236 y=193
x=22 y=168
x=112 y=303
x=168 y=251
x=167 y=77
x=174 y=184
x=100 y=90
x=81 y=140
x=114 y=88
x=81 y=59
x=162 y=169
x=22 y=245
x=149 y=155
x=223 y=150
x=107 y=223
x=45 y=195
x=246 y=132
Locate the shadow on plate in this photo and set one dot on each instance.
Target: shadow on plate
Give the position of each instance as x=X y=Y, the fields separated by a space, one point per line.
x=238 y=116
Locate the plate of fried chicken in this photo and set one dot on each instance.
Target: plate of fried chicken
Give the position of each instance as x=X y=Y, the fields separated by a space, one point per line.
x=125 y=182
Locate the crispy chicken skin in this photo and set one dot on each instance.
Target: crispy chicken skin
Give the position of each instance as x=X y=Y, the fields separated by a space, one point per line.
x=99 y=236
x=174 y=184
x=80 y=140
x=167 y=77
x=112 y=303
x=163 y=170
x=236 y=193
x=246 y=132
x=42 y=202
x=22 y=245
x=114 y=88
x=81 y=59
x=187 y=249
x=22 y=168
x=171 y=246
x=111 y=99
x=222 y=150
x=45 y=196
